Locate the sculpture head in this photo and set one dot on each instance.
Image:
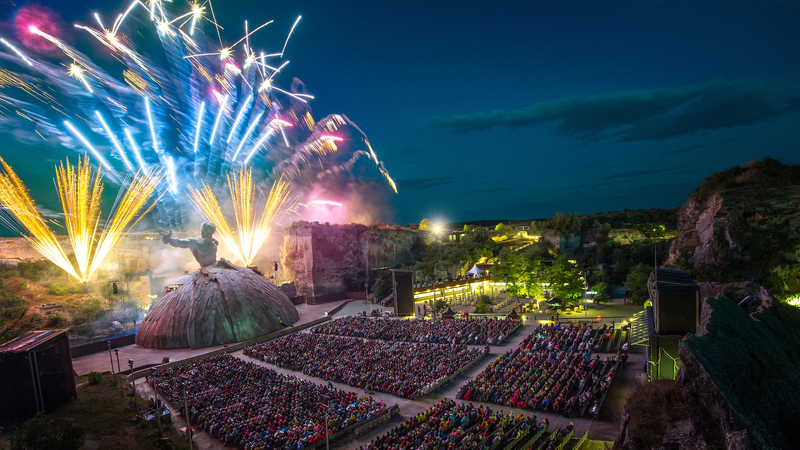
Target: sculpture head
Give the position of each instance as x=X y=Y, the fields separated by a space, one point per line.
x=207 y=230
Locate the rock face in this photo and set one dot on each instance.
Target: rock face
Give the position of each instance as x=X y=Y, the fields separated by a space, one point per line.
x=740 y=373
x=745 y=232
x=323 y=259
x=217 y=305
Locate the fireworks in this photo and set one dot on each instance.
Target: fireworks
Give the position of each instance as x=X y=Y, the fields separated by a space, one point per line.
x=214 y=107
x=251 y=231
x=79 y=191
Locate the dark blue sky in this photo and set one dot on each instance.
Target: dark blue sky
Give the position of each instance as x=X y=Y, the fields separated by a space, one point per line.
x=513 y=110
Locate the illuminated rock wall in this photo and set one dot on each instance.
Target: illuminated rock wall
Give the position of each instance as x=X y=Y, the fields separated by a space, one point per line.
x=321 y=259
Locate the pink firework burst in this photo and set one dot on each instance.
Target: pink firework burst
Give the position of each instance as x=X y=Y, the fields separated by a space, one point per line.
x=41 y=18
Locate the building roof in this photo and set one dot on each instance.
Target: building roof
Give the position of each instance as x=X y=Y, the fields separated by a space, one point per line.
x=29 y=341
x=666 y=280
x=674 y=279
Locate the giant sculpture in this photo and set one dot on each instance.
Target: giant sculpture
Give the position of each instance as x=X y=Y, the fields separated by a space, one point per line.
x=219 y=304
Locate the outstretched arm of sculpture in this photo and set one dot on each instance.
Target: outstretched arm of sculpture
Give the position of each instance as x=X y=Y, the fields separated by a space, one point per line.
x=180 y=243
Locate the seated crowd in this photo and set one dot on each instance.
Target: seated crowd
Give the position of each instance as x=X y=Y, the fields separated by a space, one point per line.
x=397 y=368
x=253 y=407
x=452 y=425
x=469 y=331
x=545 y=372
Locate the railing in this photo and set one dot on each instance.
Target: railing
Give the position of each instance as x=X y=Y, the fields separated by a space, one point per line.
x=536 y=438
x=442 y=381
x=566 y=439
x=381 y=418
x=524 y=432
x=580 y=442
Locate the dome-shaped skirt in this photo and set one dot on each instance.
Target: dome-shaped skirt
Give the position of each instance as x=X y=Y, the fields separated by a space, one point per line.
x=219 y=304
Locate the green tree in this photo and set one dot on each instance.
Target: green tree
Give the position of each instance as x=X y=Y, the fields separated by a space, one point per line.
x=636 y=282
x=564 y=224
x=521 y=273
x=565 y=280
x=501 y=227
x=424 y=224
x=383 y=284
x=475 y=245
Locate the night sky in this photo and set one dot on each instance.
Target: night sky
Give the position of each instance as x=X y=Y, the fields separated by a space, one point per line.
x=516 y=110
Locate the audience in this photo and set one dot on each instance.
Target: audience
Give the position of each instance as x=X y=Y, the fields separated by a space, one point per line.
x=253 y=407
x=398 y=368
x=551 y=370
x=450 y=425
x=471 y=332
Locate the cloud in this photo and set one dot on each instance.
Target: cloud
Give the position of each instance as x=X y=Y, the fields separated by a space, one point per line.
x=642 y=114
x=640 y=172
x=696 y=147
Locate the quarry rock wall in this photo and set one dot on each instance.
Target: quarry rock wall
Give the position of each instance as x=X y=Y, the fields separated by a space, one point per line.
x=747 y=234
x=322 y=259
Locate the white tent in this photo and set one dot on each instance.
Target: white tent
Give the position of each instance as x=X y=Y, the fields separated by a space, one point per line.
x=476 y=271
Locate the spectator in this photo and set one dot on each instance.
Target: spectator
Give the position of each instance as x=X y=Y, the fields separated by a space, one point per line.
x=252 y=407
x=471 y=332
x=398 y=368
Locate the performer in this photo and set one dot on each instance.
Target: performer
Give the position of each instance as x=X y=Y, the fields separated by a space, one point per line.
x=204 y=247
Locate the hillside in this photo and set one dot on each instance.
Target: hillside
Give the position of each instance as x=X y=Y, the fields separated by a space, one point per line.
x=743 y=224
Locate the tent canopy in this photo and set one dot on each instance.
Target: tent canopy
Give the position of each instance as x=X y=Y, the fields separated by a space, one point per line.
x=476 y=271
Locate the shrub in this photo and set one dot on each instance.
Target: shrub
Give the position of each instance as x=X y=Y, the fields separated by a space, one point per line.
x=651 y=407
x=22 y=285
x=44 y=433
x=94 y=377
x=56 y=321
x=37 y=270
x=480 y=308
x=63 y=289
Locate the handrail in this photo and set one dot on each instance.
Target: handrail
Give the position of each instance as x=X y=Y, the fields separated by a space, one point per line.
x=580 y=441
x=566 y=439
x=536 y=437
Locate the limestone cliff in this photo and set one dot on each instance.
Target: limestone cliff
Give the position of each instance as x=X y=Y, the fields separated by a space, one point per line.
x=324 y=259
x=743 y=224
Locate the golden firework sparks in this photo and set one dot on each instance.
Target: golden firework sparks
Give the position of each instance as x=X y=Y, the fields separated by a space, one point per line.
x=251 y=231
x=79 y=191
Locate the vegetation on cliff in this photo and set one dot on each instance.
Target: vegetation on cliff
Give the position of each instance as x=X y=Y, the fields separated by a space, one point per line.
x=767 y=173
x=740 y=372
x=743 y=224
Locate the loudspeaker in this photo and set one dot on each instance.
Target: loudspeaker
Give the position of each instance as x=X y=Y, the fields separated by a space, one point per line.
x=403 y=290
